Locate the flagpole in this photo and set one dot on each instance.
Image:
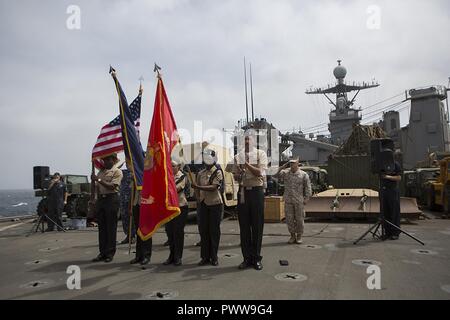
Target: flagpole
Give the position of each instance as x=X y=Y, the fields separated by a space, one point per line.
x=92 y=197
x=140 y=85
x=133 y=191
x=191 y=179
x=130 y=213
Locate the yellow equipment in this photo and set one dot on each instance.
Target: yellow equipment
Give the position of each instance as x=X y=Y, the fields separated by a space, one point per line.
x=438 y=191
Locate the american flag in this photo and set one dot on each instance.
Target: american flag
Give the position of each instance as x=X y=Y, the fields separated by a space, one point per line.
x=109 y=140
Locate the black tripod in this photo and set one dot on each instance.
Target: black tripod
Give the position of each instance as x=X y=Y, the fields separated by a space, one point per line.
x=379 y=225
x=40 y=224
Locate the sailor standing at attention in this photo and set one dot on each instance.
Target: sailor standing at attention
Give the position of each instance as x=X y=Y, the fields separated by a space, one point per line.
x=208 y=187
x=57 y=199
x=249 y=169
x=175 y=227
x=390 y=199
x=107 y=207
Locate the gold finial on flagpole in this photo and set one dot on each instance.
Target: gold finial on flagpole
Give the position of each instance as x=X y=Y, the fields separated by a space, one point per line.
x=140 y=84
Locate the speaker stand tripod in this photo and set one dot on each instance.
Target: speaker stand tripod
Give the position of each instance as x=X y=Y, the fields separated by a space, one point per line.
x=40 y=224
x=379 y=225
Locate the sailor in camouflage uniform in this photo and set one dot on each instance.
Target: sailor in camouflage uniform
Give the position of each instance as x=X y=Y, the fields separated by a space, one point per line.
x=297 y=191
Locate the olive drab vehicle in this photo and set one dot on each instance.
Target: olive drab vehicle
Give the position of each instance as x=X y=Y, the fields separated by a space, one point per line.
x=425 y=181
x=416 y=183
x=409 y=183
x=317 y=176
x=78 y=189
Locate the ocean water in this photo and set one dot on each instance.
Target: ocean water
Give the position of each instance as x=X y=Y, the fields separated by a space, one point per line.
x=17 y=203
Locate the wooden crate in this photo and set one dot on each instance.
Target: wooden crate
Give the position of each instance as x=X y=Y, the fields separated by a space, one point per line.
x=273 y=209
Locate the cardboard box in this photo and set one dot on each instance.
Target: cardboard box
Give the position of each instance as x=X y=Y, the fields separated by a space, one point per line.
x=273 y=209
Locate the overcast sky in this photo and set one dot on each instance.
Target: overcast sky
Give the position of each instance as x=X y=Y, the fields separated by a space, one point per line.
x=56 y=92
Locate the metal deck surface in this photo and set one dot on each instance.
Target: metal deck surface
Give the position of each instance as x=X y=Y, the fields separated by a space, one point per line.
x=326 y=266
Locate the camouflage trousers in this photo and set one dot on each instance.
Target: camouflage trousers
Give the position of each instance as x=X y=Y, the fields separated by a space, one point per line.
x=295 y=216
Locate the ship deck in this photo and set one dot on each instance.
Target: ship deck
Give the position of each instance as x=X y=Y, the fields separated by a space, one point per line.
x=326 y=266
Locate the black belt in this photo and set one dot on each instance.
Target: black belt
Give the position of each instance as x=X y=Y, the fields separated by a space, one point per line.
x=253 y=188
x=107 y=195
x=389 y=188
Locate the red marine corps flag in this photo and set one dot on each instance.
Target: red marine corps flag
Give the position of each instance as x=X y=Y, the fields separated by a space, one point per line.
x=159 y=198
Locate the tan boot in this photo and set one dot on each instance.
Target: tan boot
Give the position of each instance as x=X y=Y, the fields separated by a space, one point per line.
x=298 y=239
x=292 y=239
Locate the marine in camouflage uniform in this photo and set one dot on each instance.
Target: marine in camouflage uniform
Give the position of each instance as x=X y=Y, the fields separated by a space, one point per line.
x=297 y=191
